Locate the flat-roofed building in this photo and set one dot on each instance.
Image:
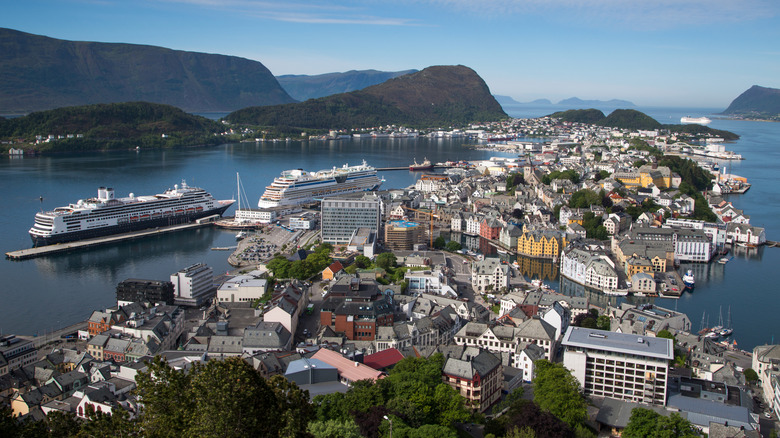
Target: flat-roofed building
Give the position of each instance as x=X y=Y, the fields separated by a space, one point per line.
x=626 y=367
x=342 y=216
x=193 y=285
x=403 y=235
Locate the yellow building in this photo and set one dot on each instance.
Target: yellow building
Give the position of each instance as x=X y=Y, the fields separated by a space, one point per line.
x=660 y=176
x=543 y=244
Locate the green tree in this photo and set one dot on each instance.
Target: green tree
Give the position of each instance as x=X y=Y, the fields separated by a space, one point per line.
x=648 y=423
x=334 y=429
x=558 y=392
x=665 y=334
x=603 y=322
x=362 y=262
x=231 y=399
x=750 y=375
x=453 y=246
x=439 y=242
x=386 y=260
x=279 y=266
x=167 y=399
x=62 y=424
x=293 y=404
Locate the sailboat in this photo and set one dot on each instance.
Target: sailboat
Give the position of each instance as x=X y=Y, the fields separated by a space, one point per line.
x=719 y=327
x=727 y=331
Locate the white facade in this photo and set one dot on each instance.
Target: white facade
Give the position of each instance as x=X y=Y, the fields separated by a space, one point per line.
x=489 y=274
x=242 y=288
x=193 y=285
x=589 y=267
x=625 y=367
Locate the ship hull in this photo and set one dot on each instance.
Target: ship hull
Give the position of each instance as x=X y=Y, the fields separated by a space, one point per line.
x=125 y=228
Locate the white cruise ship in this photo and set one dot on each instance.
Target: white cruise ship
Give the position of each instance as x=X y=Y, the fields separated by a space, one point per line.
x=106 y=214
x=298 y=186
x=696 y=120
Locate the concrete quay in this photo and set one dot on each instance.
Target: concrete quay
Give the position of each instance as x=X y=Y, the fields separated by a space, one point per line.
x=30 y=253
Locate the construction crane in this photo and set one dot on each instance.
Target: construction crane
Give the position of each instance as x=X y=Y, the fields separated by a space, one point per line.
x=431 y=215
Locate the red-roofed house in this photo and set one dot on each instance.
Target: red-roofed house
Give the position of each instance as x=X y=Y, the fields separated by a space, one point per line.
x=349 y=371
x=384 y=359
x=330 y=272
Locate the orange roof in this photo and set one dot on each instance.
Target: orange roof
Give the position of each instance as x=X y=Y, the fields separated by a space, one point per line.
x=348 y=370
x=335 y=267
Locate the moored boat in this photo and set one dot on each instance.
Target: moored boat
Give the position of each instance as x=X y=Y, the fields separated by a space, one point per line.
x=107 y=214
x=688 y=279
x=425 y=165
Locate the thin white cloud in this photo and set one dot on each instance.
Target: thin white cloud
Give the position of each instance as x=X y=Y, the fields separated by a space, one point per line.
x=315 y=13
x=650 y=13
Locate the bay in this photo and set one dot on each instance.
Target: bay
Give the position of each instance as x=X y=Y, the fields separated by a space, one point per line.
x=50 y=292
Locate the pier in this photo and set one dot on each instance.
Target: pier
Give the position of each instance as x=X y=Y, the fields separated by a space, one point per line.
x=385 y=169
x=40 y=251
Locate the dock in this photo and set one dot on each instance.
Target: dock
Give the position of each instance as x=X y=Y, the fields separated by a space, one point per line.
x=24 y=254
x=436 y=166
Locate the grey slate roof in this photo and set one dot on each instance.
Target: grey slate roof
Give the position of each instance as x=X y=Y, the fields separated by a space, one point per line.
x=658 y=348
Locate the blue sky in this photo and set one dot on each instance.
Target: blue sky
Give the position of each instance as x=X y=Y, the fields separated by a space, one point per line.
x=692 y=53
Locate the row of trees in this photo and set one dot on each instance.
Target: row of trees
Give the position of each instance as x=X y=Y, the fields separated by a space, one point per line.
x=314 y=263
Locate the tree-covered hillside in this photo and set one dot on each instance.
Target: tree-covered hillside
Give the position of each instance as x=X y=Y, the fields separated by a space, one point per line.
x=436 y=96
x=111 y=126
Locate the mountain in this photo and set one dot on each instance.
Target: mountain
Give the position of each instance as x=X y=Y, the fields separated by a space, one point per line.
x=591 y=116
x=541 y=102
x=506 y=100
x=42 y=73
x=304 y=87
x=112 y=126
x=435 y=96
x=574 y=101
x=629 y=119
x=758 y=102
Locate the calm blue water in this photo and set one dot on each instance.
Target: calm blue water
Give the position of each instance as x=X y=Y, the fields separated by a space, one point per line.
x=49 y=292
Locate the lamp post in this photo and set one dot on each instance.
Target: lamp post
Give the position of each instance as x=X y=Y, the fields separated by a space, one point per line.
x=391 y=425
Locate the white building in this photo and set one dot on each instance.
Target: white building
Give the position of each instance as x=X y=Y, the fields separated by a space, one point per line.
x=193 y=285
x=589 y=266
x=241 y=288
x=429 y=282
x=625 y=367
x=489 y=274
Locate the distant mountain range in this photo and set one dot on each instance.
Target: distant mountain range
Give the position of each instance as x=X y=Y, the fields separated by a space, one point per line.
x=756 y=102
x=40 y=73
x=435 y=96
x=571 y=102
x=305 y=87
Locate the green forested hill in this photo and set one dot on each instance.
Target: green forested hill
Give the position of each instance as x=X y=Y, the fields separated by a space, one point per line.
x=40 y=73
x=580 y=115
x=758 y=102
x=112 y=126
x=435 y=96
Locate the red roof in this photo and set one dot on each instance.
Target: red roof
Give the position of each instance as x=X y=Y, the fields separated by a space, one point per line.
x=383 y=359
x=348 y=370
x=335 y=267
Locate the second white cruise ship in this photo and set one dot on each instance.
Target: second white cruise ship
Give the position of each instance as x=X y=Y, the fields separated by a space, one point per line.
x=298 y=186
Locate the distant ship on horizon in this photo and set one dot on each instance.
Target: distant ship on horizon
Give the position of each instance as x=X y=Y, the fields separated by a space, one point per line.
x=695 y=120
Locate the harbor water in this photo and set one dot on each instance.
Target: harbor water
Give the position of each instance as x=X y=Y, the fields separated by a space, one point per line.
x=46 y=293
